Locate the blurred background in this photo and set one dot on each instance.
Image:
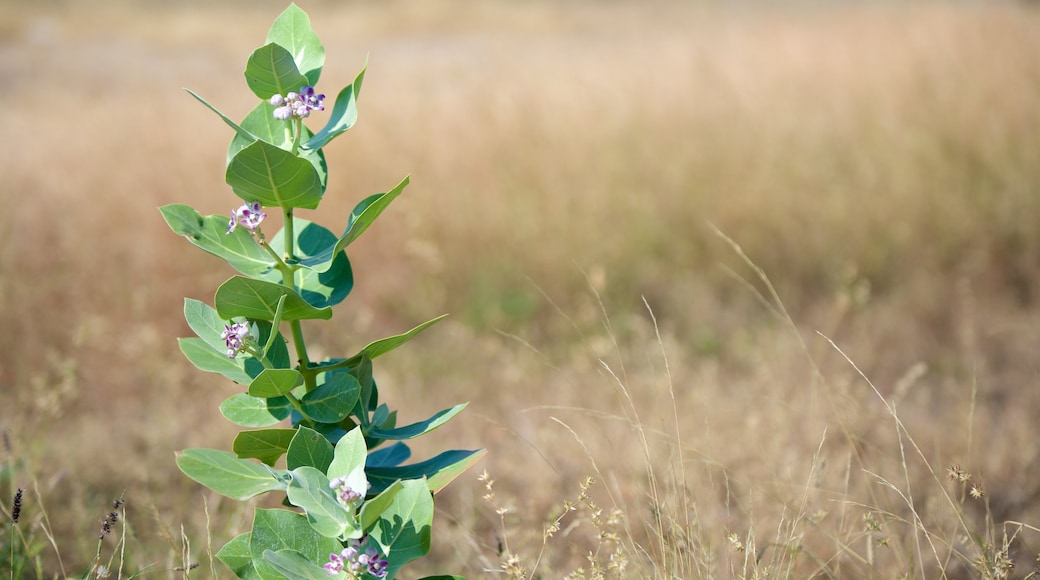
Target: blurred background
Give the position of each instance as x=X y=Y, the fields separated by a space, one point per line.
x=581 y=171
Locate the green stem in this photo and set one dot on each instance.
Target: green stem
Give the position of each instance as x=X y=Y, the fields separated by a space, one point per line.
x=309 y=378
x=299 y=408
x=343 y=364
x=289 y=240
x=279 y=264
x=288 y=280
x=298 y=133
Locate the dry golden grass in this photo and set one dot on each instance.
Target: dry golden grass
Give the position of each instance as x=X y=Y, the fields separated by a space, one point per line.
x=880 y=164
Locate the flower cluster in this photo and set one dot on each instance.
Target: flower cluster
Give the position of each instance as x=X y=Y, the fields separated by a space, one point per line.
x=297 y=105
x=346 y=494
x=249 y=216
x=355 y=562
x=237 y=337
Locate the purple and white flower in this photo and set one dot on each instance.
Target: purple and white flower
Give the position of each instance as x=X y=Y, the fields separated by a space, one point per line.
x=237 y=337
x=346 y=494
x=248 y=215
x=355 y=562
x=298 y=105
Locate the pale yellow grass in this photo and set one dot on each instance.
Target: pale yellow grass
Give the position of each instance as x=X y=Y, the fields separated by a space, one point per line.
x=881 y=164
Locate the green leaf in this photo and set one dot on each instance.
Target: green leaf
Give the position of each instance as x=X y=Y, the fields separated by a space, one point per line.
x=274 y=382
x=391 y=456
x=262 y=126
x=332 y=401
x=238 y=248
x=238 y=130
x=249 y=411
x=362 y=371
x=349 y=460
x=267 y=445
x=309 y=448
x=295 y=565
x=276 y=530
x=277 y=351
x=203 y=356
x=260 y=122
x=205 y=322
x=292 y=30
x=235 y=555
x=439 y=471
x=319 y=289
x=258 y=300
x=343 y=116
x=209 y=353
x=228 y=475
x=383 y=418
x=271 y=70
x=274 y=177
x=309 y=490
x=363 y=215
x=381 y=347
x=420 y=428
x=399 y=520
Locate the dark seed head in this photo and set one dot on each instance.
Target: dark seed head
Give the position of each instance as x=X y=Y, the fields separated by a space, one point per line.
x=16 y=506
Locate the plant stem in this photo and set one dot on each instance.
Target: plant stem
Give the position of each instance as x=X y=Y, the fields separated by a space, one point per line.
x=299 y=408
x=309 y=379
x=288 y=280
x=298 y=132
x=290 y=240
x=279 y=263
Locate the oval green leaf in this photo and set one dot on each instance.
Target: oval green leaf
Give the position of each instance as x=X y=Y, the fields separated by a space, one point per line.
x=267 y=445
x=309 y=448
x=262 y=125
x=249 y=411
x=258 y=300
x=295 y=565
x=229 y=475
x=292 y=30
x=239 y=249
x=309 y=490
x=205 y=358
x=235 y=555
x=332 y=401
x=274 y=177
x=205 y=323
x=271 y=70
x=276 y=530
x=349 y=460
x=399 y=520
x=274 y=382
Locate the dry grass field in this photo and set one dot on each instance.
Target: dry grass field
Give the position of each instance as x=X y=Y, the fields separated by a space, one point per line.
x=764 y=273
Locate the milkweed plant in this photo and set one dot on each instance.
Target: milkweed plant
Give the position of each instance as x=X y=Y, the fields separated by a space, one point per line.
x=315 y=431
